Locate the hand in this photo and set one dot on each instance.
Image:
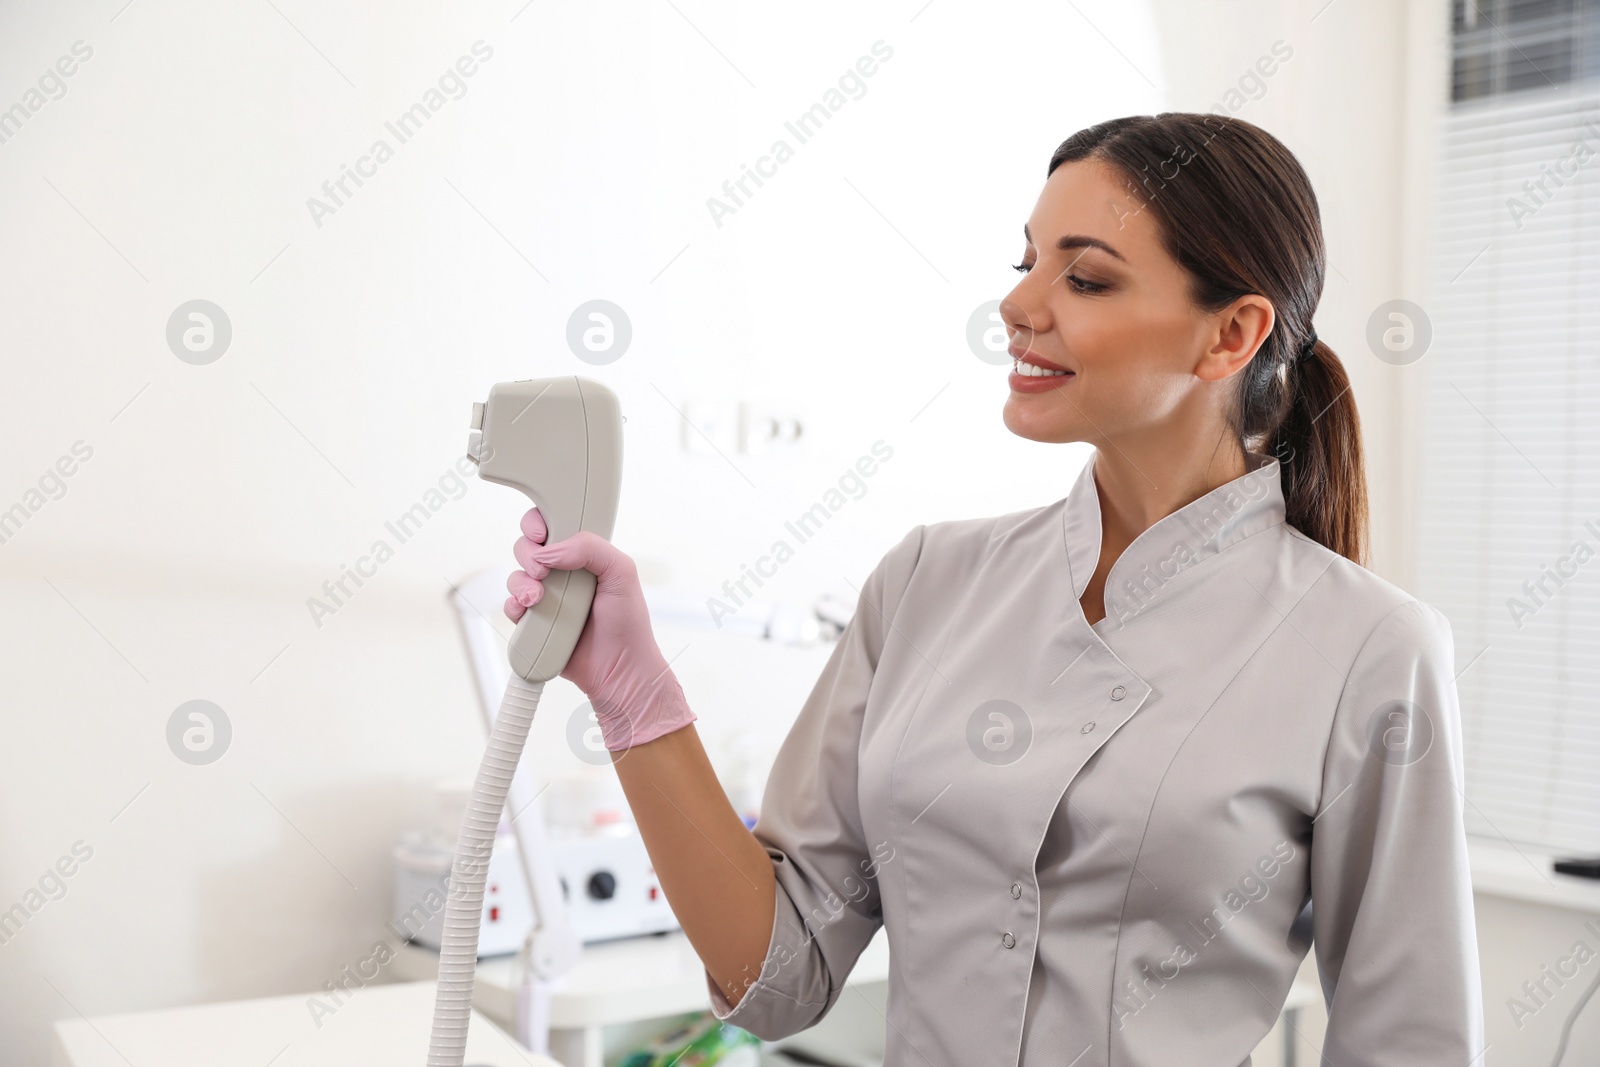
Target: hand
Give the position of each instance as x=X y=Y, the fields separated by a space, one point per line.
x=616 y=662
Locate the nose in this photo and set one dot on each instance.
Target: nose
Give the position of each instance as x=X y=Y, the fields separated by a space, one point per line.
x=1024 y=315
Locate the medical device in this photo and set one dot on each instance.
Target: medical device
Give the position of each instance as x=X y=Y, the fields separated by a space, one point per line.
x=559 y=440
x=608 y=881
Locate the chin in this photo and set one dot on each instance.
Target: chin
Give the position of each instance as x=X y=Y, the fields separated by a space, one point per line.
x=1046 y=427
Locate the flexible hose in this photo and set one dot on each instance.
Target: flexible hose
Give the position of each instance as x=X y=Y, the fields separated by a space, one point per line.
x=458 y=948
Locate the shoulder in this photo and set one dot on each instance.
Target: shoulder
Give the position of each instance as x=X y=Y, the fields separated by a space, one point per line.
x=1369 y=617
x=1390 y=659
x=961 y=542
x=941 y=552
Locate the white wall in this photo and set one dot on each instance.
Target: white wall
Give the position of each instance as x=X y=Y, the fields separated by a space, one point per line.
x=219 y=498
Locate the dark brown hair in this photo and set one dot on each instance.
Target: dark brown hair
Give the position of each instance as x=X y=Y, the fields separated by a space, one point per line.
x=1236 y=210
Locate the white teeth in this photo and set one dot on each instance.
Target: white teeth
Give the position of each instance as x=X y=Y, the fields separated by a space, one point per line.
x=1028 y=370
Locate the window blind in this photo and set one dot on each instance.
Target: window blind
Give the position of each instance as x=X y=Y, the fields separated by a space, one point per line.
x=1509 y=508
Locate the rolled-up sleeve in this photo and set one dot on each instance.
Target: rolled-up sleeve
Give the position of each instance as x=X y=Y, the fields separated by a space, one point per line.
x=1391 y=888
x=828 y=906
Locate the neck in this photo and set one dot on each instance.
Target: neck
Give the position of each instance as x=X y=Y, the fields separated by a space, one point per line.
x=1138 y=488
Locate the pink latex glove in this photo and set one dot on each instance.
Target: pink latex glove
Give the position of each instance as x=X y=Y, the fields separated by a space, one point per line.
x=616 y=663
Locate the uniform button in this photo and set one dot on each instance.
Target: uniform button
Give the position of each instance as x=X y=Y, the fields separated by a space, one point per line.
x=1087 y=727
x=1016 y=890
x=1007 y=940
x=1118 y=693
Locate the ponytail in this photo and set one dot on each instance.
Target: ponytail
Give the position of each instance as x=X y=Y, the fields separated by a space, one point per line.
x=1317 y=443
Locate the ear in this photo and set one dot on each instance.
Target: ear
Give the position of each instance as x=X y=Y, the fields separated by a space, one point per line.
x=1238 y=331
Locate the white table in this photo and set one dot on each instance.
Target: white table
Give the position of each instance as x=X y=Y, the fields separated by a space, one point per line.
x=378 y=1025
x=1502 y=869
x=613 y=983
x=647 y=977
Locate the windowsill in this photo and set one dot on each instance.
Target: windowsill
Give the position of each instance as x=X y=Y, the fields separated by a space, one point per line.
x=1521 y=873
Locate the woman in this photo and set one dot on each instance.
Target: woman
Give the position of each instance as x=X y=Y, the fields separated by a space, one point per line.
x=1106 y=768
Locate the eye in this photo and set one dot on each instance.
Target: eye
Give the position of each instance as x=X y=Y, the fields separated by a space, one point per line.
x=1079 y=285
x=1083 y=286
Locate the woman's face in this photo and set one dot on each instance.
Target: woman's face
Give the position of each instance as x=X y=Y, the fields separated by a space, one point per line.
x=1102 y=299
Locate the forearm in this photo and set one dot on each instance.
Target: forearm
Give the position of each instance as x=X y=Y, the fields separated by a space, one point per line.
x=716 y=875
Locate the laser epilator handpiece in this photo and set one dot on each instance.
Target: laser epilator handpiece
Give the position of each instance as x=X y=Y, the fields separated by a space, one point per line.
x=559 y=440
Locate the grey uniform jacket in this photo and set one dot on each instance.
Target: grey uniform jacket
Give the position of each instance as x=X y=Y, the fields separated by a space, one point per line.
x=1260 y=744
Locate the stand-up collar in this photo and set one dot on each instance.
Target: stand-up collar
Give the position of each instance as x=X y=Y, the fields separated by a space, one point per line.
x=1200 y=529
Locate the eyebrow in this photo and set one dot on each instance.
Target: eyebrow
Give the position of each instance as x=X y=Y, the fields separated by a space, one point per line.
x=1070 y=241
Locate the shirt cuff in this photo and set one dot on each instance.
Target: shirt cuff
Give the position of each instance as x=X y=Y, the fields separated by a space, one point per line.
x=752 y=1008
x=763 y=1001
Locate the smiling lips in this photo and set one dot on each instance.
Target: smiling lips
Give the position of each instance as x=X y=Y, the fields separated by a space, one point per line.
x=1026 y=364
